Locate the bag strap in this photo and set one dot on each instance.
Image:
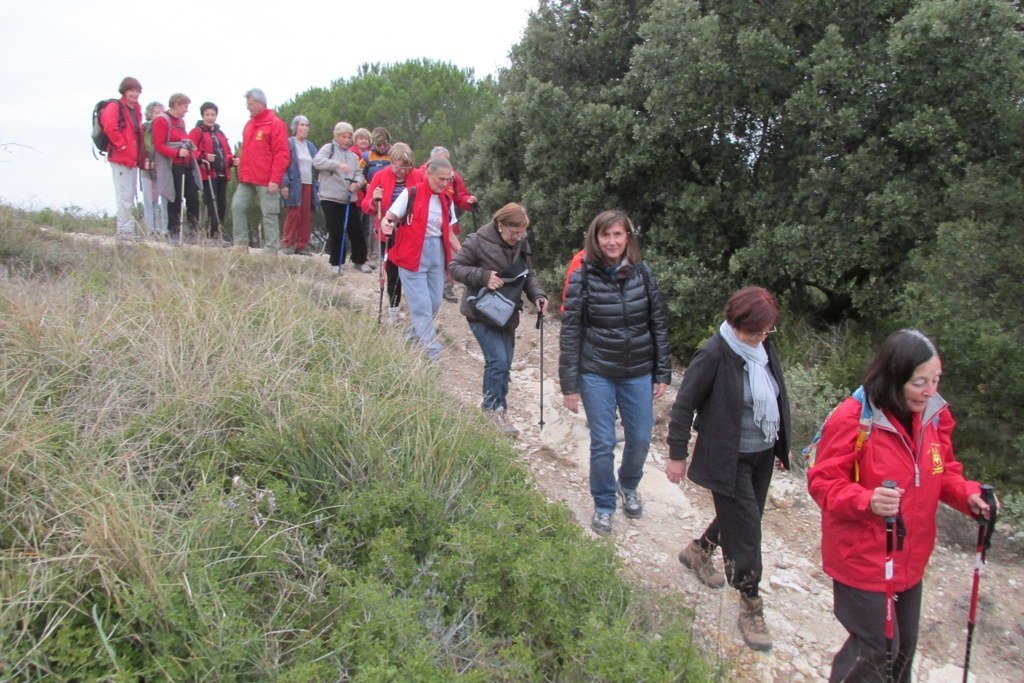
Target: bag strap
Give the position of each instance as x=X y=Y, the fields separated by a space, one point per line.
x=810 y=453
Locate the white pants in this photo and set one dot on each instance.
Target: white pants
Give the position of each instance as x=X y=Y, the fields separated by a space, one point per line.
x=125 y=180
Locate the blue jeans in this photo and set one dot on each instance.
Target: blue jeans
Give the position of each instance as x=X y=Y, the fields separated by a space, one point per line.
x=634 y=397
x=498 y=347
x=423 y=289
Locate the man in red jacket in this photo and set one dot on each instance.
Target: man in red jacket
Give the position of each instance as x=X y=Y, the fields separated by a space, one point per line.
x=122 y=122
x=264 y=159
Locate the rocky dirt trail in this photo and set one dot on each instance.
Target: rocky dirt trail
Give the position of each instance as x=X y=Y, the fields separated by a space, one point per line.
x=797 y=594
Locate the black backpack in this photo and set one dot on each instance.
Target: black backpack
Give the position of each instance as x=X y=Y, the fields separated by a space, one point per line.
x=100 y=140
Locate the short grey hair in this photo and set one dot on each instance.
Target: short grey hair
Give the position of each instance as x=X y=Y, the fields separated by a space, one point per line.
x=438 y=164
x=440 y=151
x=151 y=107
x=297 y=120
x=257 y=95
x=342 y=127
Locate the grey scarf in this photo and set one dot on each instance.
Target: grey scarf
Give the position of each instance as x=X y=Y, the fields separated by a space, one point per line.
x=763 y=387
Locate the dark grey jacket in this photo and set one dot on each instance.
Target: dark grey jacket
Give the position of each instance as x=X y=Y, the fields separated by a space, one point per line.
x=621 y=333
x=713 y=389
x=484 y=251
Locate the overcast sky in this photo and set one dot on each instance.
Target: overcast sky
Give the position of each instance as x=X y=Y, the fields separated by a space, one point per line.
x=59 y=57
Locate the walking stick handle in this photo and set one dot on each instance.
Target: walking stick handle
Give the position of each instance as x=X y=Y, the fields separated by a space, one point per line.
x=988 y=494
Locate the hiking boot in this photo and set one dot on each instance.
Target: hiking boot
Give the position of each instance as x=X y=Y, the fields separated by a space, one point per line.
x=288 y=251
x=702 y=563
x=752 y=625
x=631 y=504
x=364 y=268
x=449 y=293
x=501 y=421
x=601 y=523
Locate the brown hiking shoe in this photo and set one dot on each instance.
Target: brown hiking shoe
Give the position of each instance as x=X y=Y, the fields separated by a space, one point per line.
x=752 y=625
x=702 y=564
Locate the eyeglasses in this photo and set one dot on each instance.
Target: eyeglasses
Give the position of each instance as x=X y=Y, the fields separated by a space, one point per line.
x=513 y=234
x=763 y=335
x=399 y=167
x=443 y=179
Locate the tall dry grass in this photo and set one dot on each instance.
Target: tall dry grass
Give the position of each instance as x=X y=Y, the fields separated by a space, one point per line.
x=211 y=467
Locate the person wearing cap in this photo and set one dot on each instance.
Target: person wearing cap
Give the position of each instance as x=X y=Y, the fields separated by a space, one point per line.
x=264 y=160
x=121 y=120
x=299 y=189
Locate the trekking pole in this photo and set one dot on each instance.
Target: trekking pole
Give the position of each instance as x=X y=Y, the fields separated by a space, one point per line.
x=890 y=533
x=213 y=204
x=985 y=529
x=181 y=210
x=383 y=254
x=474 y=216
x=344 y=231
x=540 y=326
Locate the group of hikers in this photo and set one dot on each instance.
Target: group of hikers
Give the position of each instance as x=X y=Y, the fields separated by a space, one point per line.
x=882 y=462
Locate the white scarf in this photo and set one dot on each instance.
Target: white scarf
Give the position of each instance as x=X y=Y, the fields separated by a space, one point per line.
x=762 y=385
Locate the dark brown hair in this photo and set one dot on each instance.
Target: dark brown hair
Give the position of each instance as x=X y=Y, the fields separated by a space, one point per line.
x=893 y=366
x=602 y=222
x=129 y=83
x=752 y=310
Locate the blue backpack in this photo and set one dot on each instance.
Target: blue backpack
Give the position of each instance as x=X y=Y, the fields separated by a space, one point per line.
x=866 y=414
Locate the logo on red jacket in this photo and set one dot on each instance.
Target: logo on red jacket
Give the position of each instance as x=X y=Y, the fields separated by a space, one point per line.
x=937 y=466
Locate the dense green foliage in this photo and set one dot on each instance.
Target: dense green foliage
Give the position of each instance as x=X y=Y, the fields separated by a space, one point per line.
x=207 y=477
x=421 y=102
x=861 y=160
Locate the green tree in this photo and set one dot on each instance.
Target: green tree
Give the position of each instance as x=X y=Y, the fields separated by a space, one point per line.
x=967 y=295
x=421 y=102
x=809 y=147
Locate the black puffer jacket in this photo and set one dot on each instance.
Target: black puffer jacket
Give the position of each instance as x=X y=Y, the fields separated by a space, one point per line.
x=622 y=332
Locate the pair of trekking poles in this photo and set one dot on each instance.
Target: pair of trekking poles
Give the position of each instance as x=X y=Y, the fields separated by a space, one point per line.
x=894 y=532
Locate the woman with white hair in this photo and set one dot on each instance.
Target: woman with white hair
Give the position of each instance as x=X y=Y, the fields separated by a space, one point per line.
x=299 y=189
x=341 y=178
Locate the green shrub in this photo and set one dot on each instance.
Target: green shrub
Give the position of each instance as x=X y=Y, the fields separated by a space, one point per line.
x=208 y=478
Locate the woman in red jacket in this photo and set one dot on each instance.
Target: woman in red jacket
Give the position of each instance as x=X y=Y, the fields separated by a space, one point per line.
x=423 y=249
x=122 y=123
x=387 y=184
x=902 y=434
x=177 y=163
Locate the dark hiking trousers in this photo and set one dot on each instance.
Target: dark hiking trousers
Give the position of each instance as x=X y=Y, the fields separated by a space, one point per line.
x=737 y=523
x=861 y=659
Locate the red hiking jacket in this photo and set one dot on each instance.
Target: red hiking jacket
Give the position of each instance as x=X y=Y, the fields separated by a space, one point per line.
x=385 y=179
x=202 y=137
x=853 y=543
x=409 y=237
x=126 y=146
x=265 y=154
